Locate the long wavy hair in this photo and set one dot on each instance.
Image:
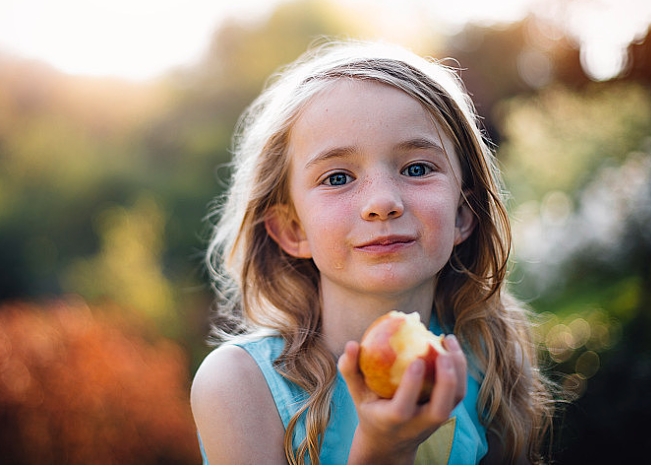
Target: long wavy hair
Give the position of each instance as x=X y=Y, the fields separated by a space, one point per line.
x=260 y=287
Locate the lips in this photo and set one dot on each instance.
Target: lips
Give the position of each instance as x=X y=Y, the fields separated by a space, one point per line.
x=386 y=244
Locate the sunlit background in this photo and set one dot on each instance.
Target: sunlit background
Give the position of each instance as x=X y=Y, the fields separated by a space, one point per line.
x=115 y=117
x=144 y=39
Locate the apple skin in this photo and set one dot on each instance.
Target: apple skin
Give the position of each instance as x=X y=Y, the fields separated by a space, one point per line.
x=390 y=344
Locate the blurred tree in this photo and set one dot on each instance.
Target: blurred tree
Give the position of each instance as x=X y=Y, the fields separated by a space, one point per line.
x=558 y=138
x=128 y=270
x=66 y=145
x=514 y=59
x=81 y=387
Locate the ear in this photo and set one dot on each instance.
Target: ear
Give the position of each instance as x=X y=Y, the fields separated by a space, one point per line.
x=283 y=227
x=464 y=223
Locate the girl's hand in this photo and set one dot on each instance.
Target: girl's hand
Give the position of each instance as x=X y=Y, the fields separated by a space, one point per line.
x=390 y=430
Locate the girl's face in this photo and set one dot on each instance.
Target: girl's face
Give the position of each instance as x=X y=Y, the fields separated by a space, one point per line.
x=375 y=186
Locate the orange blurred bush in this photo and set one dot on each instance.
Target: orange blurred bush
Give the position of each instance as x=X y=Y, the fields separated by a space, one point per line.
x=90 y=387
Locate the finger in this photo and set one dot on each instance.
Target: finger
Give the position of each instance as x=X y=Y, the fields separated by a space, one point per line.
x=406 y=397
x=349 y=368
x=459 y=362
x=347 y=363
x=444 y=394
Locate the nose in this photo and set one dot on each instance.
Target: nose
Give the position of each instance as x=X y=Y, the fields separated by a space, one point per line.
x=382 y=201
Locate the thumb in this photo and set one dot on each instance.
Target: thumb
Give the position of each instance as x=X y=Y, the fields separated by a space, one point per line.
x=349 y=368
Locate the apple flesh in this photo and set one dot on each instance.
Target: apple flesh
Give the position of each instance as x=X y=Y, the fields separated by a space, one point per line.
x=390 y=344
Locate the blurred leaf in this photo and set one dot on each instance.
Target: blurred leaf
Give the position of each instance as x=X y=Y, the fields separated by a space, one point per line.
x=556 y=140
x=82 y=386
x=128 y=269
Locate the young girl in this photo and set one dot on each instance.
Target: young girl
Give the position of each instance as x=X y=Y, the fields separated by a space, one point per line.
x=361 y=185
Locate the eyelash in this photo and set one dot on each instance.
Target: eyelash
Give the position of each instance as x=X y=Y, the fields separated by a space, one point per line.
x=344 y=178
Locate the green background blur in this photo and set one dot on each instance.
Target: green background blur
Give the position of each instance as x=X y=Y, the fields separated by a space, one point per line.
x=105 y=185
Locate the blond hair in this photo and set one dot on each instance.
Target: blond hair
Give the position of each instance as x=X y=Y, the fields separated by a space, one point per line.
x=259 y=286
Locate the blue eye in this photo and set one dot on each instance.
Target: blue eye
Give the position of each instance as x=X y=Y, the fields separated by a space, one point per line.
x=337 y=179
x=417 y=170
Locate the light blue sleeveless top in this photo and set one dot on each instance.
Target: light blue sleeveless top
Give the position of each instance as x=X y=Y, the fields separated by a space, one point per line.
x=461 y=440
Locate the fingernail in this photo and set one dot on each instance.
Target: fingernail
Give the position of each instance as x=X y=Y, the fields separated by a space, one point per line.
x=452 y=342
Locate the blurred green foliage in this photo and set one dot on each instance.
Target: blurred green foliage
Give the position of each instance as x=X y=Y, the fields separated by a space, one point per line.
x=105 y=185
x=563 y=136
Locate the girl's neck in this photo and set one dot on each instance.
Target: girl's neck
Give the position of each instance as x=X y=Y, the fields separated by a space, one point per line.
x=347 y=316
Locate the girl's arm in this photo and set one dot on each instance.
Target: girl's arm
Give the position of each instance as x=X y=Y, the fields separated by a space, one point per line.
x=390 y=430
x=235 y=412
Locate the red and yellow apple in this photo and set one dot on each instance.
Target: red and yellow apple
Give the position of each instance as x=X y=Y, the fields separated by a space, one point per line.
x=390 y=344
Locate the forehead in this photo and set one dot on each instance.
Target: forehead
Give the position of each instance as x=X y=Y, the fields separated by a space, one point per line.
x=349 y=95
x=353 y=112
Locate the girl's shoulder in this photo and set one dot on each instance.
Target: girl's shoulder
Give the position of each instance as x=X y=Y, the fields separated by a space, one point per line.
x=225 y=364
x=230 y=386
x=236 y=363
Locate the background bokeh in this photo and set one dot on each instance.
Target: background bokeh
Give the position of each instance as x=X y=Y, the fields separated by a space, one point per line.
x=105 y=183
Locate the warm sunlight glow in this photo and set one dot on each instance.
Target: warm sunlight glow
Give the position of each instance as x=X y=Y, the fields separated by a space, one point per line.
x=144 y=38
x=132 y=39
x=605 y=28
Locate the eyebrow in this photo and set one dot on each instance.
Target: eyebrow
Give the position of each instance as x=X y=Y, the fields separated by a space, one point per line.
x=421 y=143
x=347 y=151
x=333 y=153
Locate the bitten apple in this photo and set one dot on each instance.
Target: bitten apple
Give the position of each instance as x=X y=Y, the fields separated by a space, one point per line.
x=390 y=344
